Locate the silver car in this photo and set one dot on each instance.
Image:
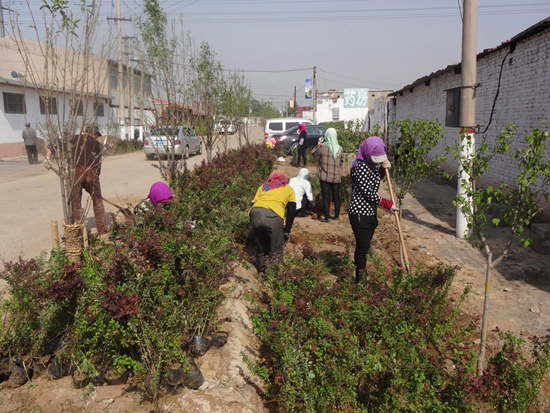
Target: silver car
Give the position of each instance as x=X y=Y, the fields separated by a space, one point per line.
x=185 y=139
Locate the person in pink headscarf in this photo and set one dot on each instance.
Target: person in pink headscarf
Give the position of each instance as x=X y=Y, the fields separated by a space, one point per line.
x=302 y=138
x=272 y=215
x=365 y=180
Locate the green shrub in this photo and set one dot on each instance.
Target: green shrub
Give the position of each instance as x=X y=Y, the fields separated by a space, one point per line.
x=126 y=146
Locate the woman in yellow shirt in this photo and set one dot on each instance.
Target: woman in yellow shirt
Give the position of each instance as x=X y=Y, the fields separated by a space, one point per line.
x=272 y=215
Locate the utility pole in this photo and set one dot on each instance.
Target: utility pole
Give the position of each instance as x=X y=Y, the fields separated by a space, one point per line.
x=121 y=109
x=2 y=29
x=141 y=98
x=314 y=95
x=130 y=79
x=295 y=102
x=467 y=105
x=119 y=19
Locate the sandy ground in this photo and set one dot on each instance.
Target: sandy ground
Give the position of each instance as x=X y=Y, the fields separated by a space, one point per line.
x=520 y=287
x=31 y=197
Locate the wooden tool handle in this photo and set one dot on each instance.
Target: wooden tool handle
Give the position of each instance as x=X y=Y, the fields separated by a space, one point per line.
x=397 y=221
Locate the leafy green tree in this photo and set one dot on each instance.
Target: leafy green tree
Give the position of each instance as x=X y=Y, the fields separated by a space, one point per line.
x=208 y=87
x=414 y=141
x=167 y=55
x=349 y=134
x=264 y=110
x=522 y=200
x=236 y=104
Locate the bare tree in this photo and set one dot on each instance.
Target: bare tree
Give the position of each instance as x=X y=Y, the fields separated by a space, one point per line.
x=71 y=82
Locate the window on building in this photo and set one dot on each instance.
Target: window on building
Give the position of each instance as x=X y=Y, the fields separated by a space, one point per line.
x=48 y=105
x=78 y=105
x=14 y=103
x=99 y=109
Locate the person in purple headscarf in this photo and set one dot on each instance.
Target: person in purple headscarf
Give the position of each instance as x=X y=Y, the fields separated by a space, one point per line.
x=365 y=180
x=159 y=194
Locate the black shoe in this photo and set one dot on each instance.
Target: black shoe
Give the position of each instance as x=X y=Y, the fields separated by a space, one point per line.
x=325 y=220
x=336 y=219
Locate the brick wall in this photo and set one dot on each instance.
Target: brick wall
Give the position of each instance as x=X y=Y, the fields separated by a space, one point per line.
x=524 y=98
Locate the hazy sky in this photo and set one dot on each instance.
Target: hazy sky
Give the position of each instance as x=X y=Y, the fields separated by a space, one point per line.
x=375 y=44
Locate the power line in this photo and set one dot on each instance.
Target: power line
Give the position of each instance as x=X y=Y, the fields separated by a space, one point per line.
x=270 y=71
x=352 y=78
x=331 y=17
x=340 y=11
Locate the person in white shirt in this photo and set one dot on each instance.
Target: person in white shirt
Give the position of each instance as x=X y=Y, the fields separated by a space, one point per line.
x=302 y=188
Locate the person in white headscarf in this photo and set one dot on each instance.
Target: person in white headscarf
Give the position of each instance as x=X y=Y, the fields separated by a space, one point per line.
x=302 y=188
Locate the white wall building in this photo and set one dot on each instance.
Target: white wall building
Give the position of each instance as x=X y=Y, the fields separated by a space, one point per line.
x=22 y=104
x=87 y=83
x=346 y=105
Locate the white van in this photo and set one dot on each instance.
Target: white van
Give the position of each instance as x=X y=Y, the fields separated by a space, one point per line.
x=278 y=125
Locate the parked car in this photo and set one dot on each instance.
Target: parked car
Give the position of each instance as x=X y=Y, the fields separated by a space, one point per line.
x=289 y=138
x=230 y=126
x=185 y=139
x=277 y=126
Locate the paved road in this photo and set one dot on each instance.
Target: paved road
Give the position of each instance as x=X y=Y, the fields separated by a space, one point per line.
x=30 y=198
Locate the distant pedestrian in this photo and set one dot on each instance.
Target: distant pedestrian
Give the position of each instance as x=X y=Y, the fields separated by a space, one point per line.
x=302 y=189
x=365 y=182
x=302 y=138
x=331 y=158
x=29 y=137
x=272 y=215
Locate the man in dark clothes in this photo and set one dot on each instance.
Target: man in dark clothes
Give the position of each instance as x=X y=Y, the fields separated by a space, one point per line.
x=29 y=137
x=87 y=158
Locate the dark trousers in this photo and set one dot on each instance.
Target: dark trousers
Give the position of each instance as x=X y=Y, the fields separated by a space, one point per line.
x=32 y=154
x=363 y=227
x=328 y=189
x=303 y=207
x=302 y=154
x=267 y=227
x=88 y=178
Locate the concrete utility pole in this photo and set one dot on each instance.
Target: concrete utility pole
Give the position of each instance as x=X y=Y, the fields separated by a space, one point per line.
x=314 y=95
x=121 y=109
x=468 y=103
x=295 y=102
x=130 y=80
x=119 y=20
x=2 y=29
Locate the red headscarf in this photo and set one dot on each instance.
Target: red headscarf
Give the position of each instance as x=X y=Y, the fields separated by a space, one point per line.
x=276 y=179
x=301 y=127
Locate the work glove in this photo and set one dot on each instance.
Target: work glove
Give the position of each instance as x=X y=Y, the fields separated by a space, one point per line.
x=46 y=164
x=321 y=139
x=394 y=208
x=386 y=203
x=386 y=164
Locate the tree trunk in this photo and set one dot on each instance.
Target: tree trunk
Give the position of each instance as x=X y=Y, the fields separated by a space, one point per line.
x=481 y=358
